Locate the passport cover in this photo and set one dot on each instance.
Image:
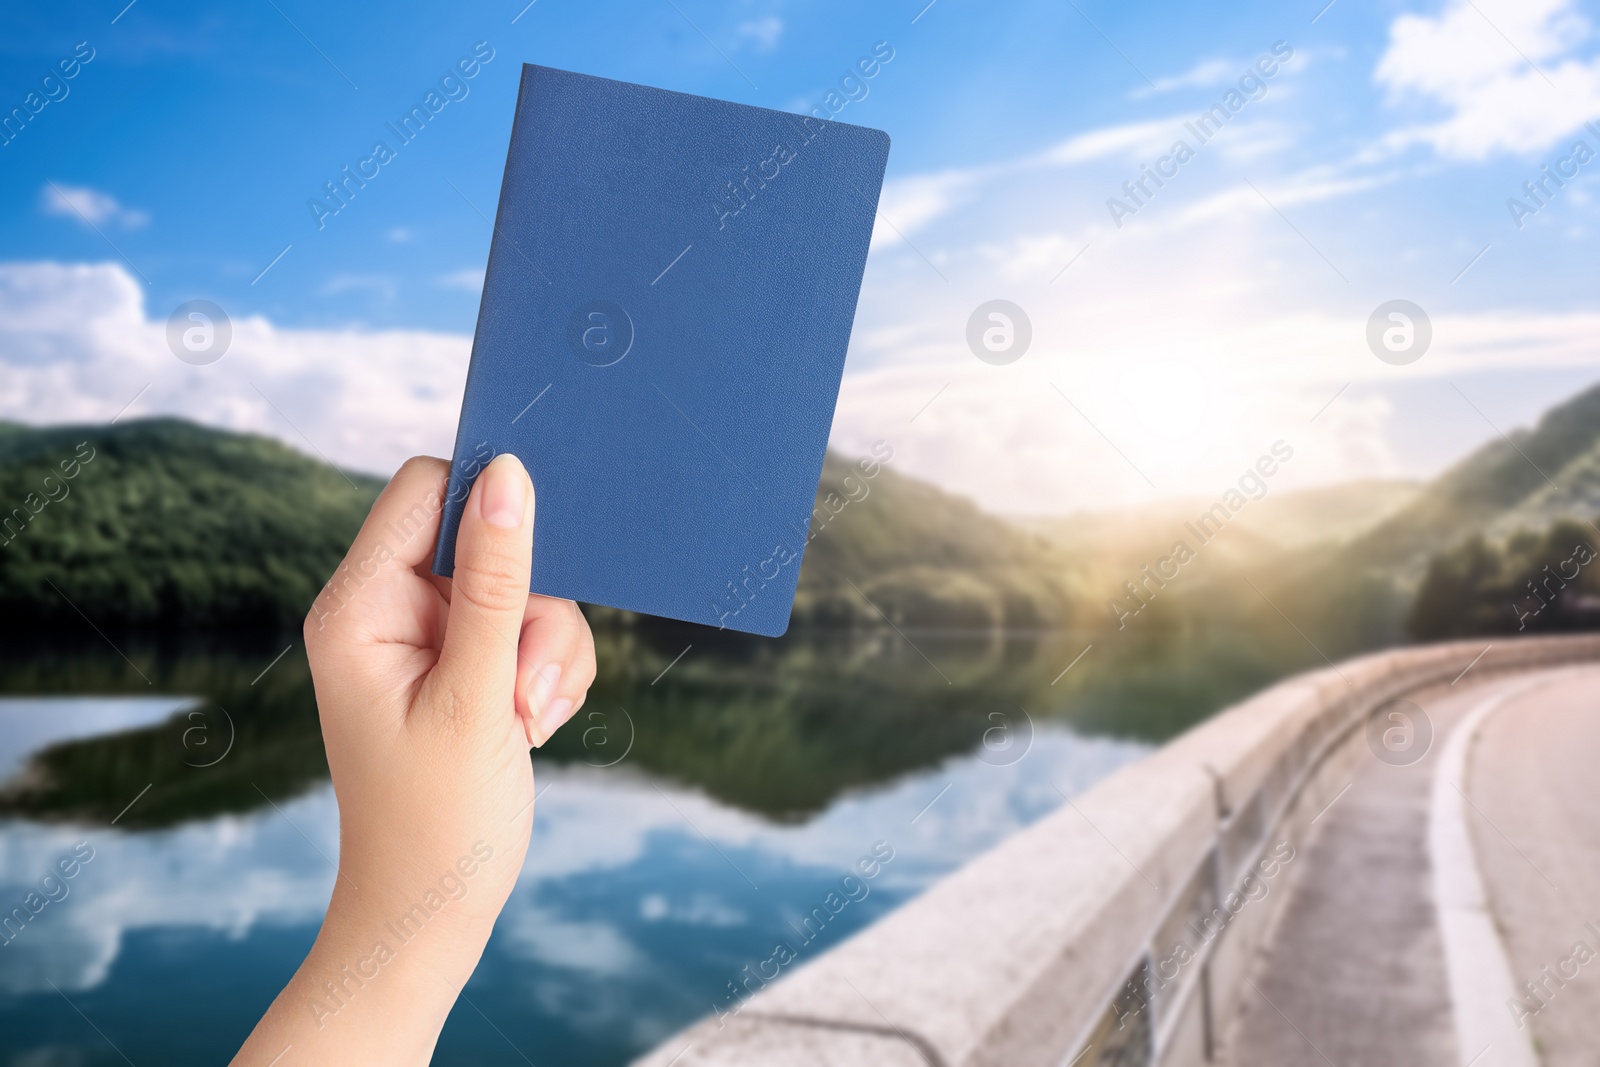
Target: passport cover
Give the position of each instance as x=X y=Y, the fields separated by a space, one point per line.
x=661 y=338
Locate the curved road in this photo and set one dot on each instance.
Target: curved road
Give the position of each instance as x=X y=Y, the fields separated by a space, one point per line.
x=1534 y=780
x=1356 y=972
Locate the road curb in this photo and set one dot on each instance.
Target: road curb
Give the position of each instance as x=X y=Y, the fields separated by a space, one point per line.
x=1476 y=964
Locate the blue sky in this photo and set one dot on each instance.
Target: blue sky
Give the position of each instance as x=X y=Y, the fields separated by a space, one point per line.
x=220 y=125
x=1376 y=163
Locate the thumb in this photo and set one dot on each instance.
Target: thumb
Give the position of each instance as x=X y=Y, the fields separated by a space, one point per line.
x=489 y=593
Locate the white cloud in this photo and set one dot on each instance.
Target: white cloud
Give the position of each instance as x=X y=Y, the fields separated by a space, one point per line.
x=1047 y=437
x=1186 y=340
x=377 y=284
x=532 y=932
x=911 y=203
x=468 y=278
x=1206 y=73
x=1506 y=73
x=1130 y=139
x=1205 y=328
x=1306 y=188
x=908 y=204
x=140 y=881
x=77 y=343
x=1042 y=255
x=89 y=206
x=701 y=909
x=762 y=33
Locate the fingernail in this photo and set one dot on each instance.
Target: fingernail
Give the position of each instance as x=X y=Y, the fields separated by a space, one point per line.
x=504 y=499
x=544 y=683
x=551 y=718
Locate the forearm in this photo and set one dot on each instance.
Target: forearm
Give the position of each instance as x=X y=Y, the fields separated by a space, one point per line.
x=376 y=987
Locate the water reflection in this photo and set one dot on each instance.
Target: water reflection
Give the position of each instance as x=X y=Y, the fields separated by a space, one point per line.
x=29 y=724
x=755 y=775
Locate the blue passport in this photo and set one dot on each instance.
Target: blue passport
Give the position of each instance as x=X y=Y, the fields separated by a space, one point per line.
x=671 y=285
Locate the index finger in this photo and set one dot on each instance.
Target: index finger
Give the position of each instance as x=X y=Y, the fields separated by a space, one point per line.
x=397 y=536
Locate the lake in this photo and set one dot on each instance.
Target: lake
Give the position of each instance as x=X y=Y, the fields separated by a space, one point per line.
x=713 y=790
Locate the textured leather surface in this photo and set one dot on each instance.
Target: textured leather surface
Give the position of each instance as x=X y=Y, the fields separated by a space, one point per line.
x=718 y=250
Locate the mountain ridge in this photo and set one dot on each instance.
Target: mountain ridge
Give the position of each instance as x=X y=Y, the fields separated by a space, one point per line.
x=172 y=525
x=1511 y=483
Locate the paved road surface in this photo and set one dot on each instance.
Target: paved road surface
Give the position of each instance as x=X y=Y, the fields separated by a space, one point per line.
x=1354 y=975
x=1534 y=783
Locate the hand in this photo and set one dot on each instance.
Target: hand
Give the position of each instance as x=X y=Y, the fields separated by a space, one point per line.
x=431 y=693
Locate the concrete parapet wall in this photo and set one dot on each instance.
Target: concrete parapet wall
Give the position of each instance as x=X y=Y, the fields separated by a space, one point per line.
x=1116 y=930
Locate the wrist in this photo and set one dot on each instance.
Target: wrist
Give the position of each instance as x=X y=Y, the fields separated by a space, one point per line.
x=378 y=982
x=359 y=968
x=393 y=953
x=438 y=924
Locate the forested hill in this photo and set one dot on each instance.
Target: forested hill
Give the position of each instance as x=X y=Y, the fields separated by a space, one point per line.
x=924 y=557
x=167 y=524
x=1525 y=480
x=170 y=525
